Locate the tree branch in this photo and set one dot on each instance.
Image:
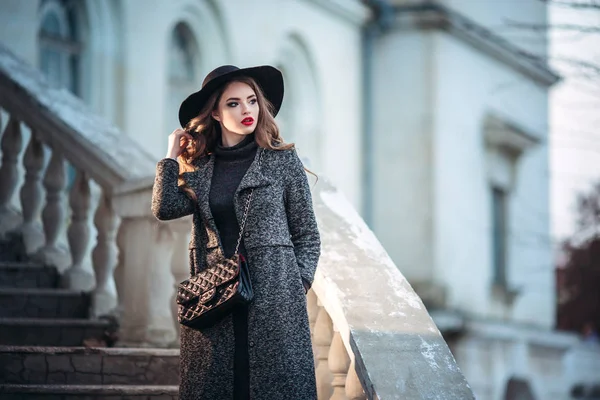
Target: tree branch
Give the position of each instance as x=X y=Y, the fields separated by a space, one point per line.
x=579 y=4
x=548 y=27
x=586 y=66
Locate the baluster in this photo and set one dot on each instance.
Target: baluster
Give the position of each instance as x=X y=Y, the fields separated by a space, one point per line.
x=105 y=258
x=53 y=215
x=32 y=194
x=312 y=308
x=322 y=338
x=119 y=272
x=12 y=143
x=80 y=276
x=354 y=389
x=338 y=365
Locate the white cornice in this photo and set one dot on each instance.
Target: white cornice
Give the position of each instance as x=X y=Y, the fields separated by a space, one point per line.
x=435 y=16
x=351 y=10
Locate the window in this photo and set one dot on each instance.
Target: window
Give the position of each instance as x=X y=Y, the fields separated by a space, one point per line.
x=60 y=49
x=182 y=70
x=285 y=116
x=505 y=142
x=499 y=233
x=59 y=44
x=302 y=99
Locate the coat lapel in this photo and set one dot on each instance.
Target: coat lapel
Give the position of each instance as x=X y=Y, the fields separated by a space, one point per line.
x=201 y=179
x=254 y=178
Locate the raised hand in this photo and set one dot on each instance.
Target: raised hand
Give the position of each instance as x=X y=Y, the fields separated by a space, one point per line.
x=178 y=141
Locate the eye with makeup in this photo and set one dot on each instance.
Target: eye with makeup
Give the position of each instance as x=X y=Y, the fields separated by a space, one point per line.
x=235 y=103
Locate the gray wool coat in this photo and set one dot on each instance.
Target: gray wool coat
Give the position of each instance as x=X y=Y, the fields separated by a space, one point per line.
x=283 y=246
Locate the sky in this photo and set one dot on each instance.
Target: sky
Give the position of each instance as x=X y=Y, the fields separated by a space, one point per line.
x=574 y=116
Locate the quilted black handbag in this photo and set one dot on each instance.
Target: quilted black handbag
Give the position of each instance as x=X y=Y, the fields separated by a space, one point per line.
x=209 y=295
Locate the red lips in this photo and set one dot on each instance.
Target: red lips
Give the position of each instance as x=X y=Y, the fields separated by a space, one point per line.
x=248 y=121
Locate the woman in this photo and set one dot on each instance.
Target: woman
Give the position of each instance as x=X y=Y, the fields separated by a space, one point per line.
x=231 y=145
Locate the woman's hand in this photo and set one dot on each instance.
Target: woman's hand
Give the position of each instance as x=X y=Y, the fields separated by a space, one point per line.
x=178 y=141
x=306 y=286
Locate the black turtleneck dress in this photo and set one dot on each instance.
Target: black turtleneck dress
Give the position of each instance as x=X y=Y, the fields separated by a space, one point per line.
x=231 y=163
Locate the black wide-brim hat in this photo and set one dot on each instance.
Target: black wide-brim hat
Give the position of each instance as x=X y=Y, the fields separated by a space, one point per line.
x=268 y=78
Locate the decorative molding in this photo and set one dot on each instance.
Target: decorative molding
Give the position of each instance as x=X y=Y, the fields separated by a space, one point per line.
x=506 y=135
x=352 y=11
x=448 y=321
x=512 y=331
x=429 y=16
x=452 y=321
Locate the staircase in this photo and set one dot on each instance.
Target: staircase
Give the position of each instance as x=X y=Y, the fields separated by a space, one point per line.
x=372 y=336
x=51 y=349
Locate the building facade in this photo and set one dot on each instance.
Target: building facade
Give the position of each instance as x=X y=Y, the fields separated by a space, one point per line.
x=427 y=116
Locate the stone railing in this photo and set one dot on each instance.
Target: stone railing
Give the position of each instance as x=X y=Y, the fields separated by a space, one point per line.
x=58 y=131
x=372 y=336
x=369 y=326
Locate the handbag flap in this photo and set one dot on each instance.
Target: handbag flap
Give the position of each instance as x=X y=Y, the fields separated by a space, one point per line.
x=203 y=286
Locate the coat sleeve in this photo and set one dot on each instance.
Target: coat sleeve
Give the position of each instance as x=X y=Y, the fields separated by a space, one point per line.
x=301 y=220
x=168 y=200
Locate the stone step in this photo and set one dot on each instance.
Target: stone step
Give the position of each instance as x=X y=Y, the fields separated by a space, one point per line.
x=88 y=392
x=53 y=332
x=12 y=248
x=43 y=303
x=88 y=366
x=27 y=275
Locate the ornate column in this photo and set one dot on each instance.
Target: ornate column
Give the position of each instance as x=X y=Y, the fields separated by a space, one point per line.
x=32 y=194
x=12 y=143
x=53 y=215
x=105 y=257
x=80 y=275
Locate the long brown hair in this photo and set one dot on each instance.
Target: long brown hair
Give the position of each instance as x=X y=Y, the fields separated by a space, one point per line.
x=206 y=131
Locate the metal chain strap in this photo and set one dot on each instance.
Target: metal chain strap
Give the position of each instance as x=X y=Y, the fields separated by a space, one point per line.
x=246 y=209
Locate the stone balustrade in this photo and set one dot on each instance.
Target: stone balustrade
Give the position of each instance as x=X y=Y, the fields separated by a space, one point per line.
x=372 y=337
x=44 y=131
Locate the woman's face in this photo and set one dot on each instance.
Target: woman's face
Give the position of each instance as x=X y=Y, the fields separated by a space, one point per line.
x=237 y=110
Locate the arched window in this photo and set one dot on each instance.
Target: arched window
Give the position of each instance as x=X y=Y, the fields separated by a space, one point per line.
x=285 y=117
x=61 y=43
x=61 y=34
x=182 y=72
x=299 y=116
